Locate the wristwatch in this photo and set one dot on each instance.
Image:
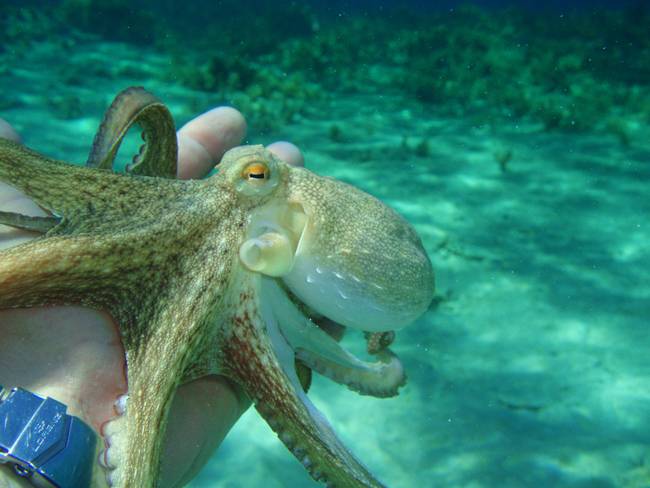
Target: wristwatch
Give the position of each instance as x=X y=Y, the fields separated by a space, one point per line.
x=43 y=443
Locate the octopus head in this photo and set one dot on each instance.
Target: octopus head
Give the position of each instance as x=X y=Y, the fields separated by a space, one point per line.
x=338 y=250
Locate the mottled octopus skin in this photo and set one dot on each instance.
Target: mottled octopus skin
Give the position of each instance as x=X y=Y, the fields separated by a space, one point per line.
x=161 y=256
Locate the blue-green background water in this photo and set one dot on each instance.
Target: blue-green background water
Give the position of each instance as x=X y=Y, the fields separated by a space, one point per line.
x=515 y=139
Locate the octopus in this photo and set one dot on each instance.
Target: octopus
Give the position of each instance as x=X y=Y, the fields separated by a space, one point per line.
x=237 y=274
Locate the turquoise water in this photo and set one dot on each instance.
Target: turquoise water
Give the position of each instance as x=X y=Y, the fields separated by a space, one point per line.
x=516 y=143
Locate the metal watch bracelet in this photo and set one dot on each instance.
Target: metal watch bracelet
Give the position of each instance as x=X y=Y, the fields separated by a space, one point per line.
x=43 y=443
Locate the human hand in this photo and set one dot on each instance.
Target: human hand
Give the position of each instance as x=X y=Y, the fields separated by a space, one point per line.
x=74 y=354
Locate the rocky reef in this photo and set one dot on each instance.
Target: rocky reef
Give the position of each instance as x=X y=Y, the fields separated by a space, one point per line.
x=573 y=71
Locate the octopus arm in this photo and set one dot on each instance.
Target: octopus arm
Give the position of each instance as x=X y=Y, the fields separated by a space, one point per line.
x=33 y=224
x=57 y=270
x=175 y=330
x=258 y=357
x=158 y=155
x=86 y=270
x=314 y=347
x=74 y=192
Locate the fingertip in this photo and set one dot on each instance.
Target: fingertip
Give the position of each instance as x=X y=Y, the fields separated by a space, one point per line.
x=287 y=152
x=8 y=132
x=204 y=140
x=237 y=119
x=193 y=159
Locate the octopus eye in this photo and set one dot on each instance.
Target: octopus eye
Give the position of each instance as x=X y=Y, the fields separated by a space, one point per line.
x=256 y=171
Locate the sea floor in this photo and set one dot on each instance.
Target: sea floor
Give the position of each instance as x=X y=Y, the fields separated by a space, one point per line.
x=531 y=368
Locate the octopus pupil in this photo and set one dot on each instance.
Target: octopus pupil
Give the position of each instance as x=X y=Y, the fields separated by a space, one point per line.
x=256 y=175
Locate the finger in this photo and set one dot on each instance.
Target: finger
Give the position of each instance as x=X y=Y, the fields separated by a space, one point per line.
x=287 y=152
x=204 y=140
x=8 y=132
x=202 y=413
